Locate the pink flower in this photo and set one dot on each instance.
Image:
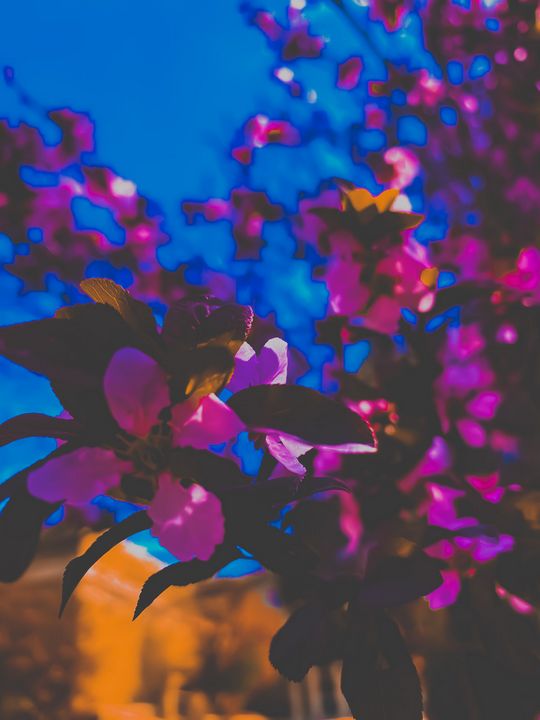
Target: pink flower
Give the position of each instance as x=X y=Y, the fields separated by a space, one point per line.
x=526 y=278
x=484 y=405
x=78 y=476
x=137 y=392
x=442 y=510
x=447 y=593
x=246 y=210
x=405 y=164
x=487 y=486
x=187 y=521
x=269 y=367
x=349 y=73
x=294 y=41
x=516 y=603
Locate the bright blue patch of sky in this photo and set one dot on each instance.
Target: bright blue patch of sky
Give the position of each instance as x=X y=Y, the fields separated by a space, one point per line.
x=103 y=269
x=6 y=249
x=56 y=517
x=448 y=115
x=411 y=130
x=355 y=355
x=35 y=235
x=409 y=316
x=455 y=72
x=479 y=67
x=88 y=216
x=239 y=568
x=38 y=178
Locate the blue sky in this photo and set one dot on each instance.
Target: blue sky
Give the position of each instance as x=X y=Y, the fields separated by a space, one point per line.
x=166 y=83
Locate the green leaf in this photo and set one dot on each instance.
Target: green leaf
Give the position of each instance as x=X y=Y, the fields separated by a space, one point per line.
x=302 y=413
x=181 y=574
x=79 y=566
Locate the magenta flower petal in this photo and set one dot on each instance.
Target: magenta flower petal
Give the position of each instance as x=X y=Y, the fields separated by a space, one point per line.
x=472 y=432
x=516 y=603
x=188 y=522
x=245 y=368
x=273 y=363
x=288 y=448
x=269 y=367
x=349 y=73
x=441 y=509
x=484 y=405
x=212 y=423
x=447 y=593
x=77 y=477
x=136 y=390
x=299 y=447
x=283 y=455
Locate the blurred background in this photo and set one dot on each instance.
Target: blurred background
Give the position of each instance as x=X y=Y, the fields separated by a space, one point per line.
x=178 y=145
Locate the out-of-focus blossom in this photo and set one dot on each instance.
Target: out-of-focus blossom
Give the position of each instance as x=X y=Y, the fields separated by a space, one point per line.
x=371 y=272
x=525 y=279
x=294 y=41
x=349 y=73
x=246 y=210
x=260 y=131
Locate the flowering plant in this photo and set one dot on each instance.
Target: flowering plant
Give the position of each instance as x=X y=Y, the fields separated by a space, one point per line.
x=142 y=414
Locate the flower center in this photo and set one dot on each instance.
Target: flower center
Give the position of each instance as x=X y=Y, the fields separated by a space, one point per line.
x=149 y=456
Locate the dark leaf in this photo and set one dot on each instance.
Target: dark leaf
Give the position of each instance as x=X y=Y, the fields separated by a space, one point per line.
x=277 y=551
x=36 y=425
x=48 y=346
x=183 y=320
x=136 y=314
x=460 y=294
x=79 y=566
x=228 y=323
x=73 y=354
x=20 y=528
x=399 y=580
x=379 y=680
x=281 y=491
x=309 y=637
x=17 y=483
x=213 y=472
x=182 y=574
x=199 y=372
x=519 y=571
x=433 y=534
x=194 y=322
x=368 y=225
x=303 y=413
